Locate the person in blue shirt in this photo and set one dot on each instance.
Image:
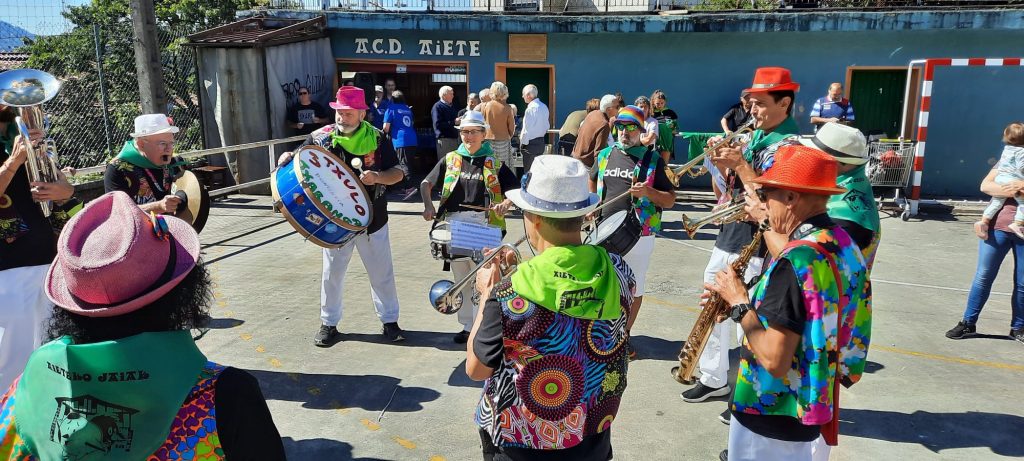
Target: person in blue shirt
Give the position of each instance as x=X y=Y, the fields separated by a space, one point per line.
x=380 y=107
x=832 y=107
x=397 y=122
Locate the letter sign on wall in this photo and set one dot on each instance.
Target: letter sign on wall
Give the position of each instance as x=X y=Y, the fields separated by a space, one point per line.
x=427 y=47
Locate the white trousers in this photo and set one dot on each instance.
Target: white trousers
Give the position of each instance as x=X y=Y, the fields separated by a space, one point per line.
x=639 y=260
x=714 y=361
x=23 y=318
x=745 y=445
x=467 y=313
x=375 y=251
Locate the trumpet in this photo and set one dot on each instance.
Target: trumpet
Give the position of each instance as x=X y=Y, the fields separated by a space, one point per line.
x=732 y=212
x=27 y=90
x=446 y=296
x=736 y=137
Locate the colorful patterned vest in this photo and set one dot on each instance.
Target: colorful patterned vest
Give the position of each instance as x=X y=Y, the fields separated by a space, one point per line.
x=648 y=214
x=453 y=167
x=193 y=434
x=838 y=323
x=561 y=378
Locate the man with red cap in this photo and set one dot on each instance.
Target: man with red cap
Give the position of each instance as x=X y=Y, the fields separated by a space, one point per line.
x=351 y=137
x=800 y=322
x=771 y=105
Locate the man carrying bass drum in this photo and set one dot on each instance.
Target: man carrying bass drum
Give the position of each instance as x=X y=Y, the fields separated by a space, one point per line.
x=613 y=174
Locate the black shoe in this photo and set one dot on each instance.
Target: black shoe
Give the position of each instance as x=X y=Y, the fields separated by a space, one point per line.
x=700 y=393
x=630 y=351
x=461 y=337
x=961 y=331
x=725 y=417
x=1017 y=334
x=393 y=332
x=326 y=337
x=723 y=456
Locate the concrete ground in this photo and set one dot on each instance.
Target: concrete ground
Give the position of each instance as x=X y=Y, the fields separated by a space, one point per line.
x=926 y=397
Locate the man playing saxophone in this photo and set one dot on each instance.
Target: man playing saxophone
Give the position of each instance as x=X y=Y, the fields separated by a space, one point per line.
x=772 y=95
x=28 y=244
x=800 y=324
x=550 y=339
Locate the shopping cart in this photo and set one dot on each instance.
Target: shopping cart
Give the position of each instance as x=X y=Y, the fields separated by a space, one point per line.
x=890 y=162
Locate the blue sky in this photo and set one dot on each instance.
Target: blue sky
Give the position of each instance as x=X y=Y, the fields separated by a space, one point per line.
x=41 y=17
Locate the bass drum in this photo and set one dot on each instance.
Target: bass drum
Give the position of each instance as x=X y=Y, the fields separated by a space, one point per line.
x=618 y=233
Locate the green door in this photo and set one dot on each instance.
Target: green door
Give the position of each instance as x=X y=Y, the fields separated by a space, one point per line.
x=877 y=98
x=518 y=77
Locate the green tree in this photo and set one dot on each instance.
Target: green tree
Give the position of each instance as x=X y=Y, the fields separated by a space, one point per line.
x=77 y=113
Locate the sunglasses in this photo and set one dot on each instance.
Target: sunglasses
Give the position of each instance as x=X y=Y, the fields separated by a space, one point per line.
x=626 y=127
x=762 y=194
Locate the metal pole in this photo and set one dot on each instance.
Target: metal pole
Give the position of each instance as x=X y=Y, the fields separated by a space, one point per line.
x=103 y=87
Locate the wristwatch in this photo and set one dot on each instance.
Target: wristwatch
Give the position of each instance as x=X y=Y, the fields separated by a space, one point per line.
x=737 y=311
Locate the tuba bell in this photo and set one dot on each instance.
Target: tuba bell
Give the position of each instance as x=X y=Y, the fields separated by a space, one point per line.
x=27 y=90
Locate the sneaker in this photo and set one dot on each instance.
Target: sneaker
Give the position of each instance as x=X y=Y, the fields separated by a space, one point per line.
x=981 y=229
x=461 y=337
x=393 y=332
x=326 y=337
x=1017 y=334
x=700 y=393
x=723 y=456
x=725 y=417
x=1017 y=229
x=961 y=331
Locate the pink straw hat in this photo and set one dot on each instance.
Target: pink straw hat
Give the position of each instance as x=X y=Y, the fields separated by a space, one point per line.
x=110 y=261
x=350 y=97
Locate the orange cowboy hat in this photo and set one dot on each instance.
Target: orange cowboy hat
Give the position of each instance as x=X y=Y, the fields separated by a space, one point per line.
x=772 y=79
x=802 y=169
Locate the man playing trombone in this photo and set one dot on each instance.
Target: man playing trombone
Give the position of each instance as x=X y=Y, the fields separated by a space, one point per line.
x=771 y=96
x=28 y=243
x=550 y=339
x=472 y=179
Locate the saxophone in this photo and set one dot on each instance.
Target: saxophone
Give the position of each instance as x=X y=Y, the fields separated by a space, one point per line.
x=714 y=307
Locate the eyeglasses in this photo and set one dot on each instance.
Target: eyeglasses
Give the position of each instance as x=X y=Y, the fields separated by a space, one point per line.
x=164 y=145
x=626 y=127
x=470 y=132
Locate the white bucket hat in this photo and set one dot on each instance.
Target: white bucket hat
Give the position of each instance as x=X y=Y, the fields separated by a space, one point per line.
x=556 y=186
x=845 y=143
x=150 y=124
x=472 y=119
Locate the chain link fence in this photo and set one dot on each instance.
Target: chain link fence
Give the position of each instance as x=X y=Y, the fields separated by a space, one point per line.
x=92 y=116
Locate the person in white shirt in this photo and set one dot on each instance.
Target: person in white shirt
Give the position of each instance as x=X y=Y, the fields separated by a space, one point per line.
x=536 y=122
x=650 y=137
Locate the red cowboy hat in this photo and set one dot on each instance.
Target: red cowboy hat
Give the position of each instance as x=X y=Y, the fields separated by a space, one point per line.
x=772 y=79
x=802 y=169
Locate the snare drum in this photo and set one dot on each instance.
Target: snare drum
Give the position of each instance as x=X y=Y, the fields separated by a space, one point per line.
x=321 y=197
x=441 y=241
x=617 y=233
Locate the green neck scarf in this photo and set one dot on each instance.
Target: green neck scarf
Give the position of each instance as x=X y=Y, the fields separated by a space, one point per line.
x=635 y=151
x=857 y=204
x=131 y=154
x=361 y=142
x=484 y=150
x=111 y=400
x=761 y=139
x=576 y=280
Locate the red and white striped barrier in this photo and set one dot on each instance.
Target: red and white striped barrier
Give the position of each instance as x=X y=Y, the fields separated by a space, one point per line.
x=926 y=103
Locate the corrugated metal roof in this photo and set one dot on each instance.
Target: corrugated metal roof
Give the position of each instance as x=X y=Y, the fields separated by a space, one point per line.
x=260 y=31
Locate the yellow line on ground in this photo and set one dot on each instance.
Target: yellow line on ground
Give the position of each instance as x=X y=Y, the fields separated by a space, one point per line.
x=408 y=444
x=945 y=358
x=895 y=350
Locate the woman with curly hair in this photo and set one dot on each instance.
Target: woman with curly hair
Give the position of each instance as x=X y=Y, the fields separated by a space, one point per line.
x=122 y=377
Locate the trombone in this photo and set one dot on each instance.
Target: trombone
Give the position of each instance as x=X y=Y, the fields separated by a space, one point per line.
x=732 y=212
x=736 y=137
x=446 y=296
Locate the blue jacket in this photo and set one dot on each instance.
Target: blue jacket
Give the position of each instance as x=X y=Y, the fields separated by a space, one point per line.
x=443 y=115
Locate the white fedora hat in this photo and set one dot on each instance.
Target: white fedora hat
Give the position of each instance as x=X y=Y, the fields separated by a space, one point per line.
x=556 y=186
x=150 y=124
x=472 y=119
x=845 y=143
